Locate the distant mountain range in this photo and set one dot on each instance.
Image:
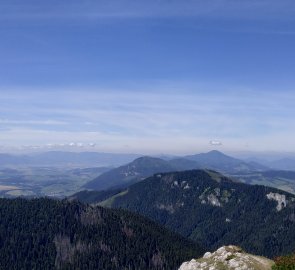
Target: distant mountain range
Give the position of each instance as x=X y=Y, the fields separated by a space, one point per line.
x=213 y=159
x=133 y=172
x=216 y=160
x=147 y=166
x=283 y=164
x=70 y=159
x=213 y=209
x=52 y=234
x=100 y=171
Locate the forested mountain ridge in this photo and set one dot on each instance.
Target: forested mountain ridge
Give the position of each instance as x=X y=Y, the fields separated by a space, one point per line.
x=208 y=207
x=52 y=234
x=146 y=166
x=135 y=171
x=217 y=160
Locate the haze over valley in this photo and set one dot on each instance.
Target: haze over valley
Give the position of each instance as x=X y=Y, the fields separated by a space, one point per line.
x=60 y=174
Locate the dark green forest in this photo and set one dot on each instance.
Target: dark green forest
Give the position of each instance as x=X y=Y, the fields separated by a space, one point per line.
x=52 y=234
x=215 y=211
x=88 y=196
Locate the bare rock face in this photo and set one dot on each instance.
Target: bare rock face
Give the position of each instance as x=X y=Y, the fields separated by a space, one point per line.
x=228 y=258
x=281 y=200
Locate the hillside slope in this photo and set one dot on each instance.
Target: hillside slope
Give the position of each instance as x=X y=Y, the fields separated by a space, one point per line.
x=284 y=180
x=50 y=234
x=210 y=208
x=216 y=160
x=135 y=171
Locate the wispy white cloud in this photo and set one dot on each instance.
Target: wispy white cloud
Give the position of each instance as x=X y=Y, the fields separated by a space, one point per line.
x=215 y=143
x=156 y=121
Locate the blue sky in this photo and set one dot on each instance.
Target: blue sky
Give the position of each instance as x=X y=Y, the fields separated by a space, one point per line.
x=148 y=76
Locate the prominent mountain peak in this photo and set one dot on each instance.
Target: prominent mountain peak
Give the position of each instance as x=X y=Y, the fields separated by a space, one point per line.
x=219 y=161
x=215 y=153
x=227 y=258
x=147 y=160
x=135 y=171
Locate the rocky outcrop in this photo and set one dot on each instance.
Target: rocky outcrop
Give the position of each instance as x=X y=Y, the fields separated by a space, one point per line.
x=215 y=197
x=280 y=198
x=228 y=258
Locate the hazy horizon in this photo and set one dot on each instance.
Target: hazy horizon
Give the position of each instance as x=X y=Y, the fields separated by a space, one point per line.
x=260 y=156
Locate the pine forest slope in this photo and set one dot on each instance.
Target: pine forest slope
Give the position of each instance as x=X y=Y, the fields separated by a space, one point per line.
x=51 y=234
x=215 y=210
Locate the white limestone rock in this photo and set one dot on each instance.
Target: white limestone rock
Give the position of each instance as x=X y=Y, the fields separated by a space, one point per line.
x=280 y=198
x=192 y=265
x=229 y=258
x=207 y=255
x=213 y=200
